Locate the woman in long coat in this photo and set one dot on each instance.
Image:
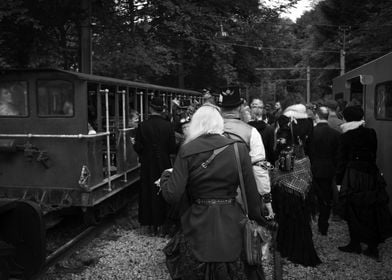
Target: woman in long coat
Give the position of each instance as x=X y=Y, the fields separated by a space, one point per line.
x=154 y=142
x=210 y=244
x=362 y=197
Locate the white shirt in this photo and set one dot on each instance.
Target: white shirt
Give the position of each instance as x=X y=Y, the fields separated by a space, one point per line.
x=257 y=153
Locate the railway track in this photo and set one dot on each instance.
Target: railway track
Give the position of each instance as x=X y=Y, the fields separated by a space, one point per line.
x=86 y=236
x=83 y=238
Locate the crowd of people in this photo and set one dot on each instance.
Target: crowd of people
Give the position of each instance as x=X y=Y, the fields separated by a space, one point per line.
x=298 y=161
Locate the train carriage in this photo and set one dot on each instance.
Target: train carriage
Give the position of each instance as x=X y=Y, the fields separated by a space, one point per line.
x=370 y=86
x=65 y=141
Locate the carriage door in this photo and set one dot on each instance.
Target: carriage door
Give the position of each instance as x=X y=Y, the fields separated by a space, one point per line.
x=357 y=92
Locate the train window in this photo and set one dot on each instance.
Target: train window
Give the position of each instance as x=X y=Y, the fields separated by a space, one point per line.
x=55 y=98
x=13 y=99
x=383 y=102
x=356 y=92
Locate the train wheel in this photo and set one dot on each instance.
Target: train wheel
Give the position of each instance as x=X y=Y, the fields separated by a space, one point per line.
x=22 y=228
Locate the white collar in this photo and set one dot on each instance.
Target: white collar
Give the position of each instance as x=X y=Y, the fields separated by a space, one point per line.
x=351 y=125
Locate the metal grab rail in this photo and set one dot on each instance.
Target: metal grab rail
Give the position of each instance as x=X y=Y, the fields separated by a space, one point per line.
x=74 y=136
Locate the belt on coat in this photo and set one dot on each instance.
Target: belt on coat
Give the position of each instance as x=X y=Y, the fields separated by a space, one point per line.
x=213 y=201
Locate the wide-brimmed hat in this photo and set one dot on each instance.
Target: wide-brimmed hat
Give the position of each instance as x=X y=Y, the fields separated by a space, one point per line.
x=231 y=98
x=157 y=103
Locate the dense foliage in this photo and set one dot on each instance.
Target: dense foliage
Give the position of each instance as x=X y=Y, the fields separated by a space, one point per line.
x=360 y=27
x=198 y=44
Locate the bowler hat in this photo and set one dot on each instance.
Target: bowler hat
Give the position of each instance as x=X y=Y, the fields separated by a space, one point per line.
x=353 y=113
x=157 y=103
x=231 y=98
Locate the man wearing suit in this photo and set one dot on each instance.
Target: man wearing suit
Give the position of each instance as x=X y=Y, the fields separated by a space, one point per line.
x=323 y=157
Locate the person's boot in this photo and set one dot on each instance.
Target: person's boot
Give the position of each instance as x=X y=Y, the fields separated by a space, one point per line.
x=351 y=248
x=372 y=252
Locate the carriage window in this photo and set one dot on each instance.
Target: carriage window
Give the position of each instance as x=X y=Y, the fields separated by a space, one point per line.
x=383 y=101
x=13 y=99
x=356 y=92
x=55 y=98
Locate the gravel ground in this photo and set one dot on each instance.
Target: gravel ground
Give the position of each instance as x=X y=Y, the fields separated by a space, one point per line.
x=125 y=252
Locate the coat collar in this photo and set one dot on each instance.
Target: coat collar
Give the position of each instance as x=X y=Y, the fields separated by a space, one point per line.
x=204 y=143
x=351 y=125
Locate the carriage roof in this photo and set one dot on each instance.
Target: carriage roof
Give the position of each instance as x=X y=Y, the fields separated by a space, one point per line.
x=102 y=79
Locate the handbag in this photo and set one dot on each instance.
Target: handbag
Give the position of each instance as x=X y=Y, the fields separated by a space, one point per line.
x=256 y=237
x=287 y=155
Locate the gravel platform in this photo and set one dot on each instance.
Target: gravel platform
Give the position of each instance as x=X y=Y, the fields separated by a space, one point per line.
x=125 y=252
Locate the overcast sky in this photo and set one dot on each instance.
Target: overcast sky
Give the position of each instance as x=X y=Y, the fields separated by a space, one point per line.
x=294 y=13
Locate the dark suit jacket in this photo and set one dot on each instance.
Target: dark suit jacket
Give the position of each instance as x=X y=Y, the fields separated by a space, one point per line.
x=323 y=151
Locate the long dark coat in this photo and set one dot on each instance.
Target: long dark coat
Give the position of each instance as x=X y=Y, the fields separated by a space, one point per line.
x=154 y=142
x=214 y=232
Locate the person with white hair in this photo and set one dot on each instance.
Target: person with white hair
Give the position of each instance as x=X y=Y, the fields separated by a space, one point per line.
x=205 y=174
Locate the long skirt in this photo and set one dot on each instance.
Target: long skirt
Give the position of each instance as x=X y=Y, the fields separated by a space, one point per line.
x=292 y=201
x=182 y=264
x=364 y=205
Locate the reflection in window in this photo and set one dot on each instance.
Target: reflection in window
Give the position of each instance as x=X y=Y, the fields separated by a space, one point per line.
x=55 y=98
x=13 y=98
x=356 y=92
x=384 y=101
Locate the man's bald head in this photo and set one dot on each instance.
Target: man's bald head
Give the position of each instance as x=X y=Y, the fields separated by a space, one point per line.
x=322 y=112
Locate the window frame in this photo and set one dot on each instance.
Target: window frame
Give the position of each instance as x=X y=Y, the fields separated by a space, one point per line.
x=376 y=116
x=55 y=116
x=27 y=99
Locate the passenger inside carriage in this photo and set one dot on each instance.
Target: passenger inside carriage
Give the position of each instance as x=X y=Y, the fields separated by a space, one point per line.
x=7 y=106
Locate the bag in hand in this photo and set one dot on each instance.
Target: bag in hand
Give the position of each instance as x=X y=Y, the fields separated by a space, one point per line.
x=286 y=159
x=256 y=240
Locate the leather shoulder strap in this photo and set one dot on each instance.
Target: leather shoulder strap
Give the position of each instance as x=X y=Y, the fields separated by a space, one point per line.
x=242 y=185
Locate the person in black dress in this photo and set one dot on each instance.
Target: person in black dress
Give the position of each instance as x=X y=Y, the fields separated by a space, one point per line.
x=363 y=198
x=291 y=199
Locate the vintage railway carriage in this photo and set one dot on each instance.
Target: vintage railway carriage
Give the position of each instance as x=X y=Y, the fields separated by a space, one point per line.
x=65 y=142
x=370 y=85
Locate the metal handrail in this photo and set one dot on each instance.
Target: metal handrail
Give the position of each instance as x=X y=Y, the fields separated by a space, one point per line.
x=75 y=136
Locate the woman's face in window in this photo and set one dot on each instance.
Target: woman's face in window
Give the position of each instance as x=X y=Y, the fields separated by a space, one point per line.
x=5 y=96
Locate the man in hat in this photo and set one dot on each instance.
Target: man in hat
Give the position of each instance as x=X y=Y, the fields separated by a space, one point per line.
x=154 y=143
x=235 y=128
